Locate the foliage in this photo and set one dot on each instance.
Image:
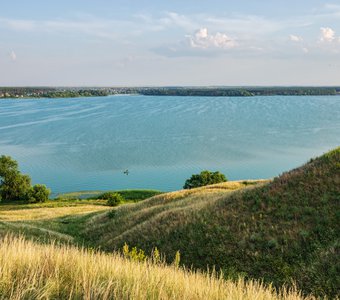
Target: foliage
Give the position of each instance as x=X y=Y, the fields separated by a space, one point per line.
x=203 y=179
x=15 y=186
x=130 y=195
x=44 y=92
x=38 y=193
x=114 y=199
x=134 y=254
x=238 y=92
x=8 y=166
x=177 y=259
x=155 y=258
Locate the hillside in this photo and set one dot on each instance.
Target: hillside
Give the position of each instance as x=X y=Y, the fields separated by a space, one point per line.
x=279 y=231
x=32 y=271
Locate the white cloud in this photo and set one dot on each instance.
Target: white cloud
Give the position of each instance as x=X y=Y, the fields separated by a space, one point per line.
x=305 y=50
x=13 y=56
x=327 y=34
x=202 y=39
x=295 y=38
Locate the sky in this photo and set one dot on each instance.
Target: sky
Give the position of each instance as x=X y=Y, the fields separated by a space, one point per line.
x=169 y=42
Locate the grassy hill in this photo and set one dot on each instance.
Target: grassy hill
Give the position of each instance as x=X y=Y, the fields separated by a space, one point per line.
x=32 y=271
x=282 y=230
x=279 y=231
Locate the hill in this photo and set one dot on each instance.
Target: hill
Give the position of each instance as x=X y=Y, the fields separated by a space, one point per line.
x=278 y=231
x=33 y=271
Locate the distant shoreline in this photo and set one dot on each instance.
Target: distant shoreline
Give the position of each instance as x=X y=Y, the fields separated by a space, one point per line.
x=45 y=92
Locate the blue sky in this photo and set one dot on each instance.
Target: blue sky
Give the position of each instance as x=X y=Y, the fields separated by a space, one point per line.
x=187 y=42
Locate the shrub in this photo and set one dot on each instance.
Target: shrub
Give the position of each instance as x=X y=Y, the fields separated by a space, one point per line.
x=107 y=195
x=114 y=199
x=38 y=193
x=204 y=178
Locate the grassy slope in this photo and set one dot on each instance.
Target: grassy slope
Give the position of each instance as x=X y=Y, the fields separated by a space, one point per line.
x=62 y=220
x=67 y=220
x=278 y=230
x=32 y=271
x=288 y=228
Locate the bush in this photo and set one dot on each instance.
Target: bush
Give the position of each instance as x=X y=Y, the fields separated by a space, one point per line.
x=129 y=195
x=107 y=195
x=38 y=193
x=114 y=199
x=204 y=178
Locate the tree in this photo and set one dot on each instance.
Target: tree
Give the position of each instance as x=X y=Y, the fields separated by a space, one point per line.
x=7 y=166
x=114 y=199
x=204 y=178
x=38 y=193
x=15 y=186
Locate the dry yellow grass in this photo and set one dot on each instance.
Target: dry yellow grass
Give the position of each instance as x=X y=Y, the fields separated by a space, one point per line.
x=15 y=213
x=218 y=187
x=32 y=271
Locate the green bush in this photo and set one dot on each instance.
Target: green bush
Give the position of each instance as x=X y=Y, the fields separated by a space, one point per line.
x=129 y=195
x=38 y=193
x=204 y=178
x=107 y=195
x=114 y=199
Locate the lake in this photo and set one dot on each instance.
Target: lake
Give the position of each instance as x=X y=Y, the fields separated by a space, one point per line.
x=87 y=143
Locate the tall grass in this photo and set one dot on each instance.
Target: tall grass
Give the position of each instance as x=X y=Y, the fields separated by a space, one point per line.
x=33 y=271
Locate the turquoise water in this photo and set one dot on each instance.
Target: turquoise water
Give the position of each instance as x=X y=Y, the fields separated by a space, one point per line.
x=87 y=143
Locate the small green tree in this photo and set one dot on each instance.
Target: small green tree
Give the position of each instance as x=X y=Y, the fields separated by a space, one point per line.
x=13 y=184
x=38 y=193
x=114 y=199
x=204 y=178
x=8 y=166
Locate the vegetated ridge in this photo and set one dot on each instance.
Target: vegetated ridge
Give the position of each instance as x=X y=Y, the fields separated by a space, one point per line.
x=282 y=231
x=218 y=91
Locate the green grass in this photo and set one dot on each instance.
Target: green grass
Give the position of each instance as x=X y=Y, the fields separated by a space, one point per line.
x=281 y=231
x=53 y=220
x=68 y=220
x=63 y=219
x=129 y=195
